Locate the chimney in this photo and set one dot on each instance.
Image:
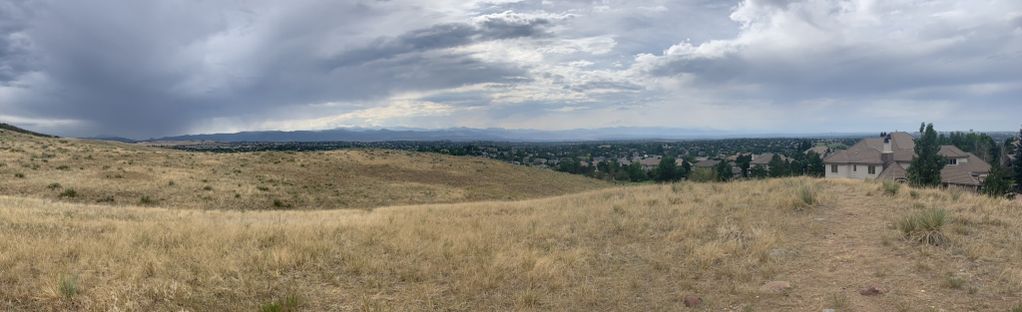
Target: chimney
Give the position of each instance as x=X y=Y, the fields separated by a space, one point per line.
x=888 y=153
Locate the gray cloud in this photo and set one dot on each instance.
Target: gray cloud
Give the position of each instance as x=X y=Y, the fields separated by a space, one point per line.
x=167 y=67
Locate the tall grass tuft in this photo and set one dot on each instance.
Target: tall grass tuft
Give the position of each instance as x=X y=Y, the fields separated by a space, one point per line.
x=68 y=286
x=891 y=188
x=925 y=226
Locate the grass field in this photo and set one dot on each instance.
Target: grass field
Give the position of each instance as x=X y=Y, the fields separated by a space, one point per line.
x=639 y=248
x=122 y=174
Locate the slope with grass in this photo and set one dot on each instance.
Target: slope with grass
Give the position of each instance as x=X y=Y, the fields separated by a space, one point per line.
x=115 y=173
x=639 y=248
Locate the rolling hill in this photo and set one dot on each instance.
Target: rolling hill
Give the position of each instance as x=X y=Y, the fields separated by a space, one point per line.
x=774 y=245
x=112 y=173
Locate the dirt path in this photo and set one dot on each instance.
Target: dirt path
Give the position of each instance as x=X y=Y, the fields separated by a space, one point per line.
x=851 y=246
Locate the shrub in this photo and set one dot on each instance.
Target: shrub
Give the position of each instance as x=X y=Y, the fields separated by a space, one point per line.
x=891 y=188
x=280 y=204
x=146 y=200
x=19 y=175
x=63 y=167
x=68 y=286
x=954 y=282
x=53 y=186
x=69 y=193
x=925 y=227
x=207 y=188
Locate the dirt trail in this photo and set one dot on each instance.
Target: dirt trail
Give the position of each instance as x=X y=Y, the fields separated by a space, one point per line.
x=852 y=245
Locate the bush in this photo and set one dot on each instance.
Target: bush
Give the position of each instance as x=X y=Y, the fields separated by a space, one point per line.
x=146 y=200
x=68 y=286
x=891 y=188
x=280 y=204
x=925 y=227
x=69 y=193
x=19 y=175
x=53 y=186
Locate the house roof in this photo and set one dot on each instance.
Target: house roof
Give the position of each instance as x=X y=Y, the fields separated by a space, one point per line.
x=964 y=173
x=951 y=151
x=819 y=150
x=893 y=172
x=764 y=159
x=870 y=150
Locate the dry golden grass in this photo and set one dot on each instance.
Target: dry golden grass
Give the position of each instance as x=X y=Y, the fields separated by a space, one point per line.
x=640 y=248
x=123 y=174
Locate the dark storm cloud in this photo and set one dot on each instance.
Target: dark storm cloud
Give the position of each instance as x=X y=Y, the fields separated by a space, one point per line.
x=150 y=69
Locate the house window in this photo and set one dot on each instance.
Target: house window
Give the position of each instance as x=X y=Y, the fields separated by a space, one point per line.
x=952 y=161
x=855 y=168
x=833 y=168
x=872 y=169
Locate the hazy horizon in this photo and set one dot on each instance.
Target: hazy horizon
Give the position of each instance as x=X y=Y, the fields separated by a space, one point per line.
x=164 y=68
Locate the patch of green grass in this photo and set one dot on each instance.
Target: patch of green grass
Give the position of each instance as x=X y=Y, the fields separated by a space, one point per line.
x=69 y=193
x=68 y=286
x=146 y=200
x=954 y=282
x=925 y=226
x=891 y=188
x=287 y=304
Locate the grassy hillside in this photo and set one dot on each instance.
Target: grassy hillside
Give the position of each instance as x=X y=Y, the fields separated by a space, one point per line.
x=115 y=173
x=641 y=248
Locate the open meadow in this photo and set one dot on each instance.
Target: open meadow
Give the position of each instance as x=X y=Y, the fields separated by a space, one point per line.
x=640 y=248
x=112 y=173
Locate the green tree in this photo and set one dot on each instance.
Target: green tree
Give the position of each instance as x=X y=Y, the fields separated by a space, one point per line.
x=997 y=183
x=685 y=170
x=778 y=167
x=635 y=172
x=926 y=166
x=1017 y=164
x=667 y=170
x=814 y=165
x=723 y=170
x=759 y=172
x=744 y=162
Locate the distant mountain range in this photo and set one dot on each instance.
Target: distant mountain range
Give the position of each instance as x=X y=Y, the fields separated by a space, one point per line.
x=475 y=134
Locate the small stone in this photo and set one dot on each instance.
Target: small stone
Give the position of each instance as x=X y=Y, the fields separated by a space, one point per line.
x=871 y=291
x=775 y=287
x=692 y=301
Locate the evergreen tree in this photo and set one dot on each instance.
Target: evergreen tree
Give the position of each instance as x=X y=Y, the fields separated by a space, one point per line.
x=814 y=165
x=724 y=173
x=926 y=166
x=997 y=182
x=667 y=170
x=743 y=162
x=1017 y=164
x=759 y=172
x=685 y=170
x=778 y=167
x=635 y=172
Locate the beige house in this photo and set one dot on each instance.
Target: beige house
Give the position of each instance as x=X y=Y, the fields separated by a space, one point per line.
x=889 y=156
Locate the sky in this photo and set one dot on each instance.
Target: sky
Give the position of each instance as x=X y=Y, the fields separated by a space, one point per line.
x=165 y=67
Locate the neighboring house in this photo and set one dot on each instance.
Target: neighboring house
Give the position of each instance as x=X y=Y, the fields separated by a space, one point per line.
x=821 y=150
x=650 y=163
x=763 y=160
x=889 y=157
